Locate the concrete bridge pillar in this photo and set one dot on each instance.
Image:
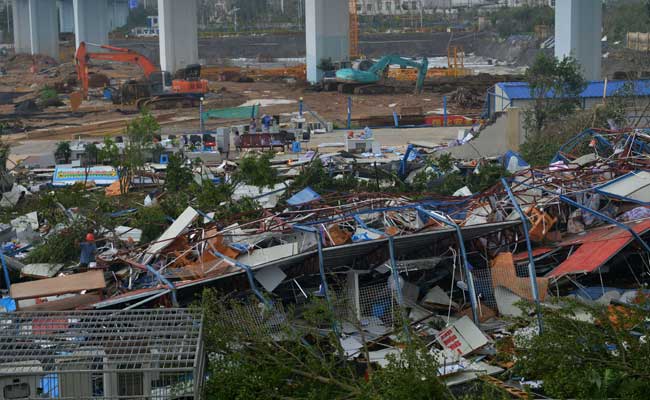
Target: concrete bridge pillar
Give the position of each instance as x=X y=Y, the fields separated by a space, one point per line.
x=36 y=29
x=578 y=30
x=44 y=28
x=179 y=38
x=327 y=31
x=91 y=22
x=20 y=11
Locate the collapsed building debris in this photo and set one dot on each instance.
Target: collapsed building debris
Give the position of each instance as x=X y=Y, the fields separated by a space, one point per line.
x=461 y=262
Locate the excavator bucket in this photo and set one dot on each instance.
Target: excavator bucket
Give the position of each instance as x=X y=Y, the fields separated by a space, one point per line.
x=76 y=98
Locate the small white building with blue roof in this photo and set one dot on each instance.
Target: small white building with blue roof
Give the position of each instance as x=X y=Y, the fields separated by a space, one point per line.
x=505 y=95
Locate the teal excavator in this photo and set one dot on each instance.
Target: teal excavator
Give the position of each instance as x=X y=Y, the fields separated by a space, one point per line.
x=363 y=82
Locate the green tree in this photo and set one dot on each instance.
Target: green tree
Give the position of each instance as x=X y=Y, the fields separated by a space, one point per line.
x=109 y=153
x=539 y=149
x=140 y=135
x=601 y=354
x=623 y=16
x=518 y=20
x=91 y=154
x=257 y=171
x=63 y=152
x=307 y=363
x=178 y=175
x=5 y=150
x=250 y=11
x=555 y=86
x=209 y=196
x=152 y=221
x=141 y=130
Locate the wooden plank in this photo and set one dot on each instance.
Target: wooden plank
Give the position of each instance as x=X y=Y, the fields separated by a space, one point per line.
x=91 y=280
x=69 y=303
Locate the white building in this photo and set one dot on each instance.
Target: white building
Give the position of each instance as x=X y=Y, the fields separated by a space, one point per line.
x=400 y=7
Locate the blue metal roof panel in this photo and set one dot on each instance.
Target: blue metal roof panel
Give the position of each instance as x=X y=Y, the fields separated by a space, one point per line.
x=521 y=90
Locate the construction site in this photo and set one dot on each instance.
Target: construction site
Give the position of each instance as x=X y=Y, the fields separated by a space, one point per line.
x=324 y=199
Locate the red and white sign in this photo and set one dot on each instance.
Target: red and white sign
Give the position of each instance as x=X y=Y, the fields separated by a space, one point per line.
x=462 y=337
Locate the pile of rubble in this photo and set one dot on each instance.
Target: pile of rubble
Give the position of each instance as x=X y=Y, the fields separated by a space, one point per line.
x=456 y=267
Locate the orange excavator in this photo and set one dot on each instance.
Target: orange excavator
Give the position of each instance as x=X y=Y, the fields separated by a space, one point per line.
x=157 y=90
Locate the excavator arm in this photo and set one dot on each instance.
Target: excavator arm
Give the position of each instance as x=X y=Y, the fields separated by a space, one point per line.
x=118 y=54
x=383 y=63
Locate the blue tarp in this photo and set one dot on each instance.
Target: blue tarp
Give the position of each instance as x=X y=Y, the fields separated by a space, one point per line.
x=50 y=386
x=307 y=195
x=513 y=162
x=8 y=304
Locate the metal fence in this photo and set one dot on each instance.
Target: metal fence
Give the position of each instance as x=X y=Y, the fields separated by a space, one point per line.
x=136 y=354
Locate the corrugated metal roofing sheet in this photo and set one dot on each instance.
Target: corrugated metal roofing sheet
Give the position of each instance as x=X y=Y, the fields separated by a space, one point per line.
x=521 y=90
x=634 y=186
x=597 y=247
x=333 y=256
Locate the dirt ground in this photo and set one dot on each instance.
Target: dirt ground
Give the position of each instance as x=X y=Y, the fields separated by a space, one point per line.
x=98 y=117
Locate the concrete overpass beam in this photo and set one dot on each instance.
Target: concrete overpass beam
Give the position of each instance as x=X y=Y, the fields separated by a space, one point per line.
x=327 y=30
x=91 y=22
x=179 y=43
x=578 y=30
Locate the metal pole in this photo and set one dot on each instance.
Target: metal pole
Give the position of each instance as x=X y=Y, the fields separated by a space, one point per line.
x=393 y=264
x=466 y=264
x=249 y=274
x=202 y=121
x=398 y=288
x=7 y=11
x=349 y=112
x=531 y=260
x=5 y=270
x=444 y=110
x=321 y=259
x=164 y=280
x=321 y=266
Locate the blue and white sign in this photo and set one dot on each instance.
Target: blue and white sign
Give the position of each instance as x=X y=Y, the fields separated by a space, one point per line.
x=67 y=176
x=133 y=4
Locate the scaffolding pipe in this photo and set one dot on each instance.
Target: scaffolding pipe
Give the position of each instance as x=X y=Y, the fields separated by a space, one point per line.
x=466 y=264
x=164 y=280
x=531 y=260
